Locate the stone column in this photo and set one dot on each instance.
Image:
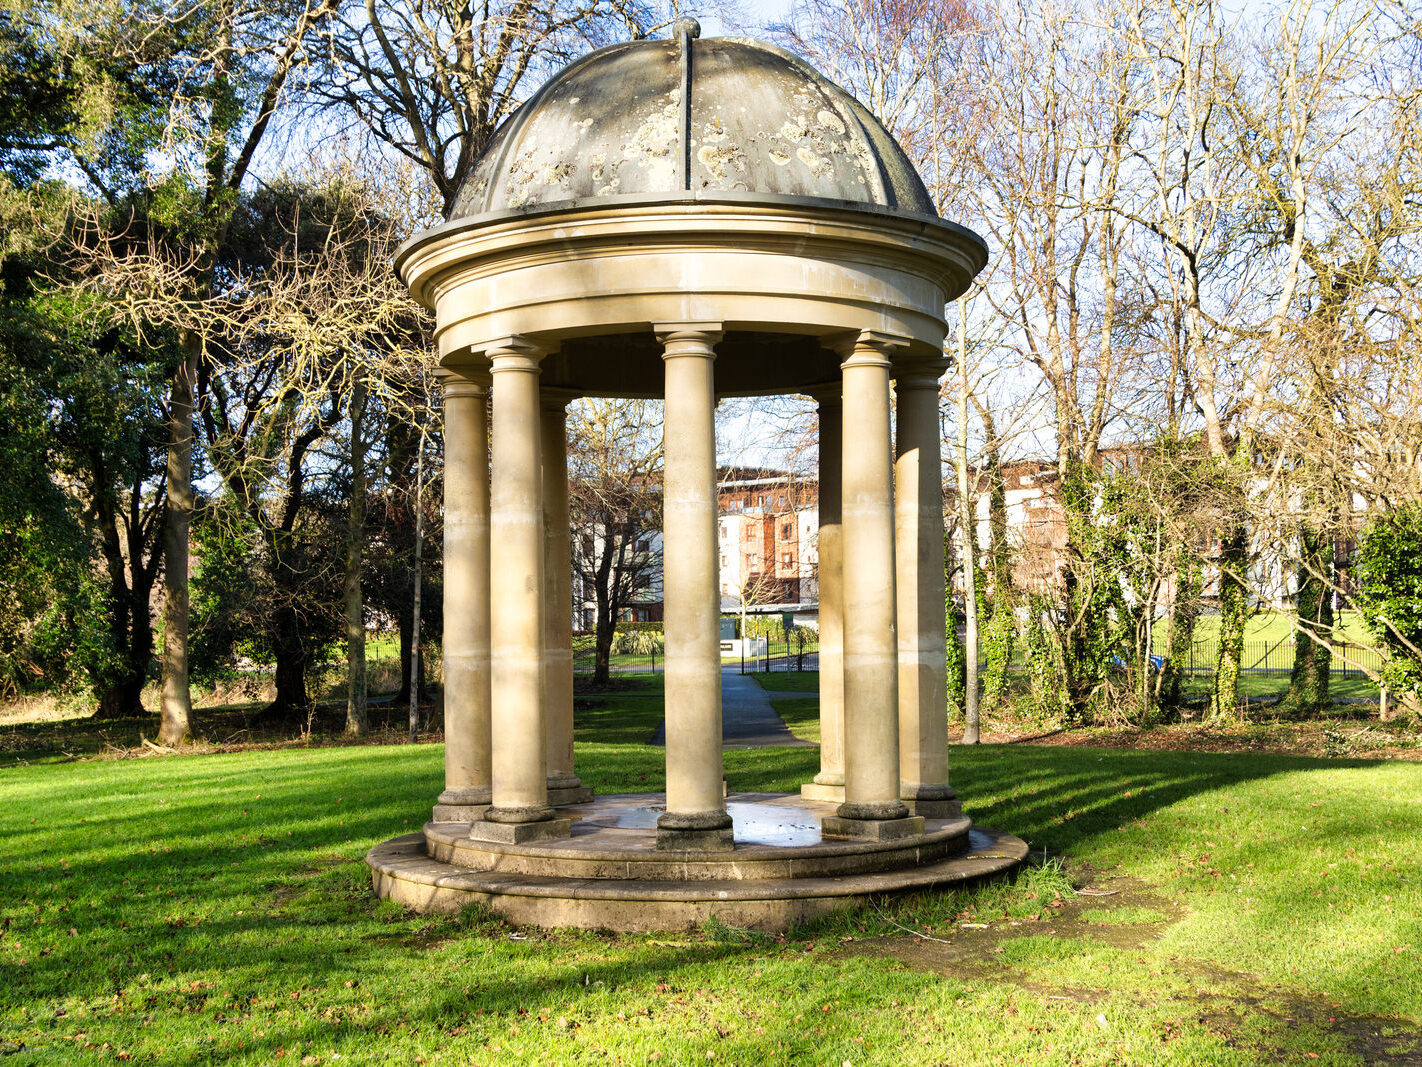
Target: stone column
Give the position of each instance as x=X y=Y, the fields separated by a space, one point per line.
x=564 y=786
x=466 y=596
x=872 y=808
x=918 y=548
x=520 y=809
x=696 y=815
x=829 y=783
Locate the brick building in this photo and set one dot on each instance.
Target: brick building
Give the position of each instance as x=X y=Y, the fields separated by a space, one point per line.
x=767 y=524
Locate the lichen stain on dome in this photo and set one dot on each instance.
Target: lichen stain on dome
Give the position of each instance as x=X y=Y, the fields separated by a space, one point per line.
x=758 y=121
x=653 y=143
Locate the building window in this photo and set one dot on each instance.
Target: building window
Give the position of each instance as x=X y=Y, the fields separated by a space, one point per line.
x=644 y=545
x=787 y=530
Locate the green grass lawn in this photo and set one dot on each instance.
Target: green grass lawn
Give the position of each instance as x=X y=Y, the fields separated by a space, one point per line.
x=215 y=908
x=793 y=682
x=1264 y=686
x=1271 y=626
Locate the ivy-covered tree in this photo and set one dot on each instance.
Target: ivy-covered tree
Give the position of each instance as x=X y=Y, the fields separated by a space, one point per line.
x=1389 y=575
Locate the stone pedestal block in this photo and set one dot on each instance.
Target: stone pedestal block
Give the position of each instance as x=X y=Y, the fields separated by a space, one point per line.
x=518 y=833
x=872 y=829
x=561 y=796
x=694 y=840
x=935 y=809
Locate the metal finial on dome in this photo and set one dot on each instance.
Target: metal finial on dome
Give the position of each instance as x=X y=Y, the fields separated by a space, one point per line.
x=687 y=26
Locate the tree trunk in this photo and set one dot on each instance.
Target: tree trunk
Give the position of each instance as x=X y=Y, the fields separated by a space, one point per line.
x=292 y=660
x=998 y=608
x=969 y=527
x=177 y=696
x=122 y=696
x=1234 y=612
x=401 y=450
x=407 y=644
x=602 y=660
x=1308 y=683
x=357 y=721
x=119 y=691
x=1184 y=610
x=1069 y=637
x=605 y=625
x=417 y=675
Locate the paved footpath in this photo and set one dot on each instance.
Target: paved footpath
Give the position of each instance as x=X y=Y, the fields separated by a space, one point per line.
x=747 y=718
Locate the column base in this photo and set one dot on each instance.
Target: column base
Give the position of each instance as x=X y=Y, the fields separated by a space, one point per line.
x=518 y=833
x=462 y=804
x=935 y=809
x=695 y=831
x=933 y=801
x=872 y=829
x=819 y=791
x=459 y=812
x=565 y=789
x=673 y=840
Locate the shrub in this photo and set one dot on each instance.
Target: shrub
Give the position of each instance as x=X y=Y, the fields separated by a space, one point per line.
x=637 y=642
x=1389 y=574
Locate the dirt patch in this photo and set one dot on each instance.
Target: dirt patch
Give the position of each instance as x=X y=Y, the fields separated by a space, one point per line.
x=1375 y=1039
x=1234 y=1005
x=972 y=951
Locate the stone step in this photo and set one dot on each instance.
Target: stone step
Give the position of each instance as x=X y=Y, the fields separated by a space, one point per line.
x=604 y=852
x=403 y=871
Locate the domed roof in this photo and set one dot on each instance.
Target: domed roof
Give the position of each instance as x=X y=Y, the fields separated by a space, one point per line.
x=724 y=118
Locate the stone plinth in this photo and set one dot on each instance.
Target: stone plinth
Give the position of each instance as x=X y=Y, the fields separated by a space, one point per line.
x=610 y=873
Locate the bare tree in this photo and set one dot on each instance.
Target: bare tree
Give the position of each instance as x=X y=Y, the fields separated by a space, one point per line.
x=226 y=70
x=615 y=506
x=1237 y=139
x=432 y=79
x=307 y=318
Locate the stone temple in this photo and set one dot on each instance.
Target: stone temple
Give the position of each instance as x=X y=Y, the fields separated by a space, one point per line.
x=690 y=219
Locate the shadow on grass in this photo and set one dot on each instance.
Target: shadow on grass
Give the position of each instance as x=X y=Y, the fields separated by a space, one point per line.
x=198 y=887
x=1056 y=796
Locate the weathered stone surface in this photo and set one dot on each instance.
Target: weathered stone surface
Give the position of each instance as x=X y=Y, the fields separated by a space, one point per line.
x=872 y=829
x=567 y=795
x=833 y=794
x=936 y=809
x=721 y=117
x=517 y=833
x=673 y=840
x=691 y=220
x=402 y=871
x=459 y=813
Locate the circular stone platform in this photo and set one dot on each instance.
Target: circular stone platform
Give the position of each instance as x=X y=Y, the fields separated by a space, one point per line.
x=609 y=875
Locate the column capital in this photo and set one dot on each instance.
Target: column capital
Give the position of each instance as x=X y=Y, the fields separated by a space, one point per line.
x=866 y=347
x=706 y=333
x=515 y=352
x=920 y=374
x=471 y=380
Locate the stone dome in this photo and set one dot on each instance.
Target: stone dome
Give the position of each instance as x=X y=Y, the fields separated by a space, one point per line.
x=721 y=119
